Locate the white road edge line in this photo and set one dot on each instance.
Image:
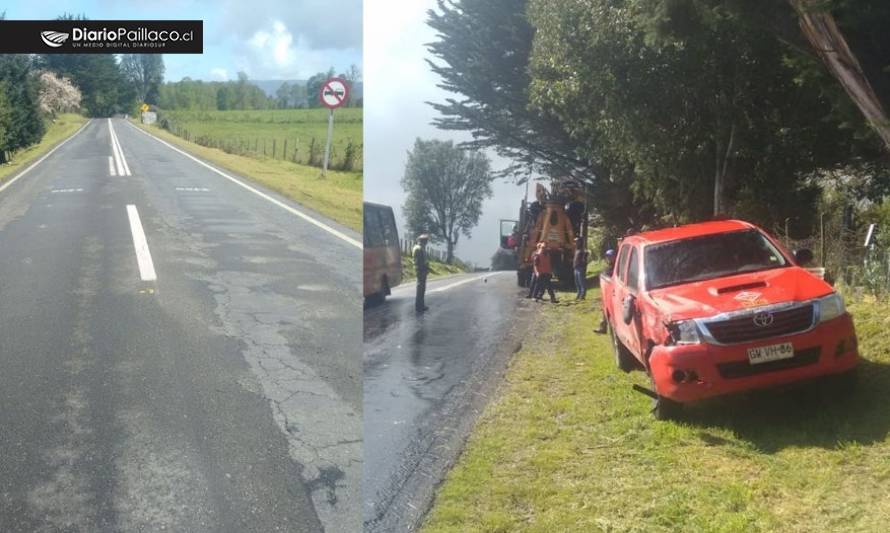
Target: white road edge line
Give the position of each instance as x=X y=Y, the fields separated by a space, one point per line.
x=261 y=194
x=119 y=152
x=463 y=281
x=140 y=244
x=111 y=170
x=35 y=163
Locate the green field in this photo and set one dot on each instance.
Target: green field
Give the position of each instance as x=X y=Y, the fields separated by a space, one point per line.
x=568 y=446
x=296 y=135
x=59 y=130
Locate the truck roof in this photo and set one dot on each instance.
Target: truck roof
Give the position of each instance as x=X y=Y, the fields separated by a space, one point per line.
x=691 y=230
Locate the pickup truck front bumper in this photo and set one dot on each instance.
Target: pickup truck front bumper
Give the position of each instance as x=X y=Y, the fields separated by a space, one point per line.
x=691 y=372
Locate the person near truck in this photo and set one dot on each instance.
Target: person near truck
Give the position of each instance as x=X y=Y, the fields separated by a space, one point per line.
x=543 y=272
x=580 y=265
x=422 y=269
x=608 y=271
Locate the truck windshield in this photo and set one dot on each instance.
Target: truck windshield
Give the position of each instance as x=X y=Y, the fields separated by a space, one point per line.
x=709 y=257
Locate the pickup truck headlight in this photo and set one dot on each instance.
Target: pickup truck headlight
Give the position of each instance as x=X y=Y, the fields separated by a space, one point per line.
x=831 y=306
x=684 y=332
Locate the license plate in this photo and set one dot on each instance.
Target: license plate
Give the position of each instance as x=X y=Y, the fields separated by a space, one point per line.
x=773 y=352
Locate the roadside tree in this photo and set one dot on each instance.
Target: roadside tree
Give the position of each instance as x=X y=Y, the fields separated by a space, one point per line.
x=446 y=186
x=57 y=95
x=20 y=119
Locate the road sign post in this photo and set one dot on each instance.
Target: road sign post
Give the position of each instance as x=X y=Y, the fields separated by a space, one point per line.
x=334 y=93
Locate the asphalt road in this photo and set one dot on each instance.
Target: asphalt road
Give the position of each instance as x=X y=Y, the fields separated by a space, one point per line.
x=425 y=379
x=177 y=352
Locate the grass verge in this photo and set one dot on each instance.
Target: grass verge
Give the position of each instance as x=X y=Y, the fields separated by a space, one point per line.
x=59 y=130
x=437 y=269
x=338 y=196
x=568 y=446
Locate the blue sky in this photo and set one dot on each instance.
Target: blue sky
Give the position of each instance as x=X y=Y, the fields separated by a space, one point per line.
x=267 y=39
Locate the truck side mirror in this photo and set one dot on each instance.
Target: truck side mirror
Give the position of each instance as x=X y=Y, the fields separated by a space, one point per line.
x=628 y=308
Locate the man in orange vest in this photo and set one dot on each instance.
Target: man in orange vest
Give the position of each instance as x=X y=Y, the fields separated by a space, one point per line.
x=543 y=273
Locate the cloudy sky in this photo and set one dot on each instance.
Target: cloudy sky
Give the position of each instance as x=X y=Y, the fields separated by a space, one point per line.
x=397 y=83
x=267 y=39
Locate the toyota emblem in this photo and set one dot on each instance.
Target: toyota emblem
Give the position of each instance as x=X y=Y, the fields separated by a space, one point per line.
x=763 y=320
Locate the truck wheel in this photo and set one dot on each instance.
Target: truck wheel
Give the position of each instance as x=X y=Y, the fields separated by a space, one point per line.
x=665 y=408
x=623 y=358
x=523 y=277
x=846 y=383
x=566 y=277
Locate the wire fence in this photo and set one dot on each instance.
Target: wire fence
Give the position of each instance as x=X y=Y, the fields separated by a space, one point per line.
x=840 y=248
x=345 y=155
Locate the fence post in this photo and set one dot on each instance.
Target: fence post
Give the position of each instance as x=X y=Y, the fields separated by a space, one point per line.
x=274 y=142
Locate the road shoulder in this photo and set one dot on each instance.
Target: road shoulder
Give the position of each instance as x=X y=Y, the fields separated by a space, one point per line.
x=454 y=426
x=58 y=132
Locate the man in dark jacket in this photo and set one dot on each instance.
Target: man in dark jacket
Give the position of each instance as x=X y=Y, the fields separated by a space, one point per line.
x=422 y=269
x=579 y=263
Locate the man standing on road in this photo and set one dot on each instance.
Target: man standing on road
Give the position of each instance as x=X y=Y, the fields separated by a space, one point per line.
x=543 y=273
x=421 y=268
x=580 y=265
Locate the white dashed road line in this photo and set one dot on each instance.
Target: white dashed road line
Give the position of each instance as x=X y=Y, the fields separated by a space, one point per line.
x=111 y=170
x=143 y=255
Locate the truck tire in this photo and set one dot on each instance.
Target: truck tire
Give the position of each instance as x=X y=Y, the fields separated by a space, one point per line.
x=624 y=360
x=523 y=277
x=567 y=277
x=846 y=383
x=665 y=408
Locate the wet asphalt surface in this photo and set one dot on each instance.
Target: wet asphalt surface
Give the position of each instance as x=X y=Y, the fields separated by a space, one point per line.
x=425 y=379
x=225 y=396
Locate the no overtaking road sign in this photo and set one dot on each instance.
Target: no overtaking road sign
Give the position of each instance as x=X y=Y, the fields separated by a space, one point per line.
x=334 y=93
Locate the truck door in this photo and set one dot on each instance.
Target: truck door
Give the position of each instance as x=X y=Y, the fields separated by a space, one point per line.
x=632 y=288
x=619 y=291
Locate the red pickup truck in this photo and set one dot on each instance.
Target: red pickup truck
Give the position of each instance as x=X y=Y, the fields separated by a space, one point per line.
x=721 y=307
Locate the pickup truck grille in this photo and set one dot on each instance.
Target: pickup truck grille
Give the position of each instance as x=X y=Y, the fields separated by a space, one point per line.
x=743 y=369
x=744 y=328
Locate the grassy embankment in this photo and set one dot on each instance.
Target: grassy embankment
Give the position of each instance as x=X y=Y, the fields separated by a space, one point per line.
x=437 y=269
x=569 y=446
x=338 y=196
x=63 y=127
